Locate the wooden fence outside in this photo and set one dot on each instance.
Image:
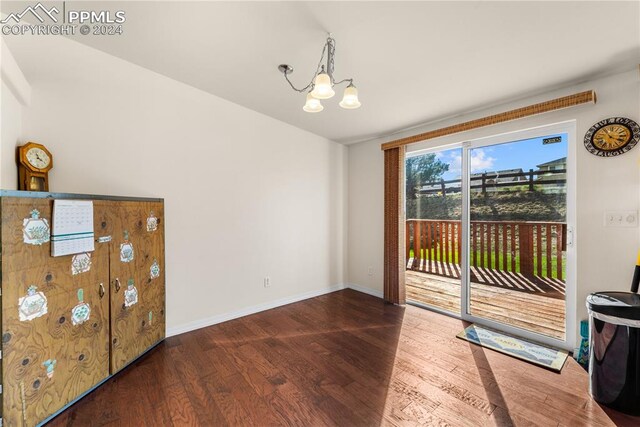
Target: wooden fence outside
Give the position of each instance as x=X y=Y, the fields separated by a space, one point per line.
x=532 y=249
x=493 y=180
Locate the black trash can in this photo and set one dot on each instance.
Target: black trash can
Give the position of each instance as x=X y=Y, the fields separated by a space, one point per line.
x=614 y=362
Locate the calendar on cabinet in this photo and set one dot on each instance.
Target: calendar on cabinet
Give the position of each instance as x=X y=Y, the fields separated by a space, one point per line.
x=72 y=227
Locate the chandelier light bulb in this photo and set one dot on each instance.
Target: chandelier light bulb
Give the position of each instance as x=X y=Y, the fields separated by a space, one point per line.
x=313 y=105
x=322 y=86
x=350 y=98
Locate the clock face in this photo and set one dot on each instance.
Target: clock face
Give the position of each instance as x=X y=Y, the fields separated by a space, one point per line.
x=38 y=158
x=612 y=137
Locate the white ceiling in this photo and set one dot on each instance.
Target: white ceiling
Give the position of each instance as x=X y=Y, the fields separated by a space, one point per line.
x=412 y=62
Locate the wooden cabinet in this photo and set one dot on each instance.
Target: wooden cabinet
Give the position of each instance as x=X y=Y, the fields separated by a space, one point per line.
x=51 y=352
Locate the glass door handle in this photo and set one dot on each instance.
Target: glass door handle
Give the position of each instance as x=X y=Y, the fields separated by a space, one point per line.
x=117 y=284
x=570 y=236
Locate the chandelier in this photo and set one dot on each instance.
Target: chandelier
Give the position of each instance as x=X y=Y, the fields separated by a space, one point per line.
x=322 y=83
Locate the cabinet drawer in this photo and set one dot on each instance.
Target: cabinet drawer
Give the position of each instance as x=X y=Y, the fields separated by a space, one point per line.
x=54 y=278
x=18 y=255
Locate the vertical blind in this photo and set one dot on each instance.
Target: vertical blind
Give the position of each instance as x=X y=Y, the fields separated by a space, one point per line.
x=394 y=267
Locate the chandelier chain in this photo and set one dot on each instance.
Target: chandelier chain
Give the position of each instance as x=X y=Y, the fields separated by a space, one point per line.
x=310 y=85
x=331 y=62
x=330 y=58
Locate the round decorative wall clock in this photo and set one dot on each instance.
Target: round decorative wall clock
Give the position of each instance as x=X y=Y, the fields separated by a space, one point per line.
x=612 y=137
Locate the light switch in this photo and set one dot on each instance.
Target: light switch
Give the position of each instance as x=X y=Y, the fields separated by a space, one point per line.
x=621 y=219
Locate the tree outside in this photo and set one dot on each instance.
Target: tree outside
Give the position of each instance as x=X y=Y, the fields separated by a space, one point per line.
x=420 y=170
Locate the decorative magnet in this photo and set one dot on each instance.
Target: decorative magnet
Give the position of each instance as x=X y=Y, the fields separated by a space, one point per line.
x=33 y=305
x=49 y=365
x=130 y=294
x=80 y=313
x=80 y=263
x=35 y=230
x=154 y=271
x=126 y=249
x=152 y=222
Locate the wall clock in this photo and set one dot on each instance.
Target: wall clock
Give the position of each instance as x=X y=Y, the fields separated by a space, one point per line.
x=612 y=137
x=34 y=164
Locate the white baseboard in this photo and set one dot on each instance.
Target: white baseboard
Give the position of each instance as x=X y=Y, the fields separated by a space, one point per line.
x=365 y=290
x=192 y=326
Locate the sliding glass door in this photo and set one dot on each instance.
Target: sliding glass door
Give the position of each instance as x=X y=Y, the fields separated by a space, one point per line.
x=489 y=234
x=434 y=229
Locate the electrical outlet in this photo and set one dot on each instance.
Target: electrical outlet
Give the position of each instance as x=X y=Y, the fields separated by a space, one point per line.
x=370 y=271
x=621 y=219
x=267 y=282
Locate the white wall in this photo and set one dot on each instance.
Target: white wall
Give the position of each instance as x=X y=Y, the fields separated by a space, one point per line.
x=15 y=92
x=605 y=256
x=11 y=134
x=246 y=196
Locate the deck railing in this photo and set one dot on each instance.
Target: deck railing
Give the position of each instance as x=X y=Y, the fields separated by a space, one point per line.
x=532 y=249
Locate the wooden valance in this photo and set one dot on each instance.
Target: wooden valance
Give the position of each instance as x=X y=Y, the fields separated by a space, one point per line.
x=519 y=113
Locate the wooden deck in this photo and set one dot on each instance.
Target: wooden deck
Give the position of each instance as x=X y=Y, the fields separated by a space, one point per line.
x=550 y=287
x=537 y=312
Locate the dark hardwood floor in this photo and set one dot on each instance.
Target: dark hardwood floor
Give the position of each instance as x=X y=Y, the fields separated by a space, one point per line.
x=342 y=359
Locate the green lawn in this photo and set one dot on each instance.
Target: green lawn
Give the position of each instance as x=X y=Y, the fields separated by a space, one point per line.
x=500 y=262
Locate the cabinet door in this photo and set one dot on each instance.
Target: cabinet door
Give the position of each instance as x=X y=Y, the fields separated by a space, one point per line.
x=151 y=269
x=123 y=282
x=137 y=293
x=50 y=357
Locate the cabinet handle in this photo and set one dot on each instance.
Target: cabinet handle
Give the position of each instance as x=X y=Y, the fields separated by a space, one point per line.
x=117 y=284
x=101 y=291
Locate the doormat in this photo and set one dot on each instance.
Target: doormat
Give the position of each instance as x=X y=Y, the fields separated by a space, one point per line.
x=516 y=347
